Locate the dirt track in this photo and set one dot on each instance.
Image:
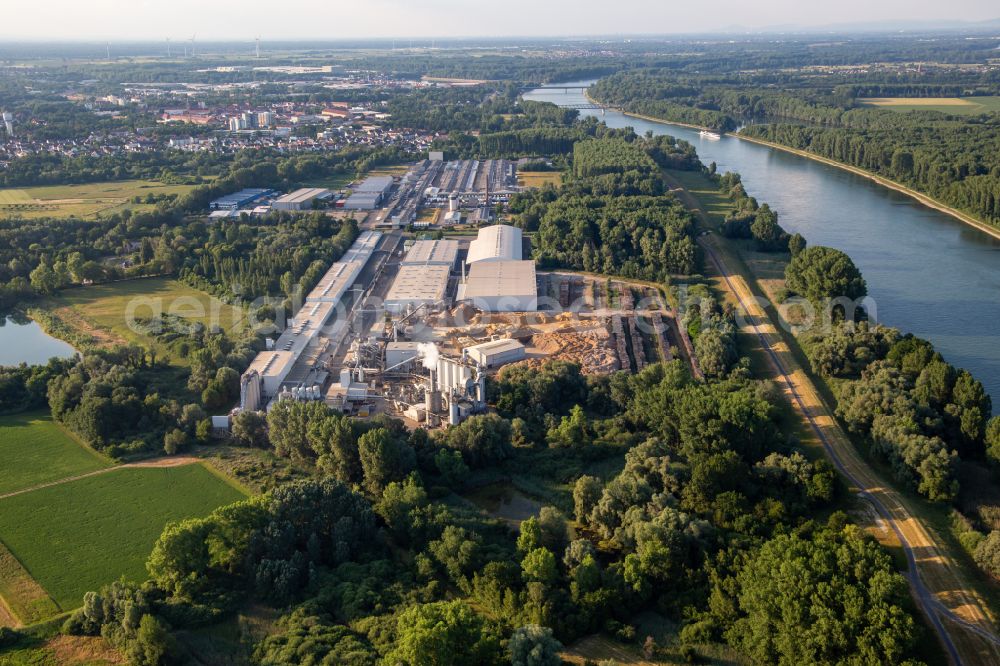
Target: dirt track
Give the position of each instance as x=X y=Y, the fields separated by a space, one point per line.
x=7 y=618
x=157 y=462
x=958 y=615
x=954 y=610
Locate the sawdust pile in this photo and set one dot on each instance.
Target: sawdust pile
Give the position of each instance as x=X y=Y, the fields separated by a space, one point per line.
x=591 y=348
x=561 y=336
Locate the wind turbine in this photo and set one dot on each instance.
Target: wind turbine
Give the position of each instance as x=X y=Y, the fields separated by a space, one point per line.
x=168 y=47
x=192 y=44
x=258 y=47
x=109 y=50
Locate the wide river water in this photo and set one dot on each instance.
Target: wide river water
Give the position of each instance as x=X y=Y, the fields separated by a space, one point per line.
x=928 y=273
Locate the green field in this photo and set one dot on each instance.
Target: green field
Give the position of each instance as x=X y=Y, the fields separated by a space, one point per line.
x=336 y=182
x=962 y=105
x=89 y=200
x=77 y=536
x=35 y=450
x=103 y=312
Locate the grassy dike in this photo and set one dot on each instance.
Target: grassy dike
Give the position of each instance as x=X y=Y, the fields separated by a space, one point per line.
x=700 y=193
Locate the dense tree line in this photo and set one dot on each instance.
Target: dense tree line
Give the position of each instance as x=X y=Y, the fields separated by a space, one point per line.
x=918 y=413
x=953 y=161
x=950 y=157
x=822 y=274
x=528 y=142
x=613 y=218
x=747 y=219
x=121 y=402
x=712 y=328
x=376 y=561
x=24 y=387
x=598 y=157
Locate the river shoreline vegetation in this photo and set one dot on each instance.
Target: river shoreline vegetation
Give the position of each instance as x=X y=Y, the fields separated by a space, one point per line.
x=950 y=157
x=925 y=422
x=673 y=513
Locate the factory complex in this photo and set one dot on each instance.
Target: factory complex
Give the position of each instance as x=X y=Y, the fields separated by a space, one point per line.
x=412 y=327
x=309 y=334
x=348 y=344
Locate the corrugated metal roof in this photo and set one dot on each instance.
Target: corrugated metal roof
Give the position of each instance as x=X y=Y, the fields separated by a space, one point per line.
x=443 y=252
x=302 y=195
x=496 y=346
x=419 y=282
x=500 y=278
x=498 y=242
x=373 y=184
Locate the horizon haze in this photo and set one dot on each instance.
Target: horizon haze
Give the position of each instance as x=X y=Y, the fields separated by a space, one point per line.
x=310 y=19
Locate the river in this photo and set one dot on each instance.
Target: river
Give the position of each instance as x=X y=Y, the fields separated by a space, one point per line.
x=928 y=273
x=26 y=342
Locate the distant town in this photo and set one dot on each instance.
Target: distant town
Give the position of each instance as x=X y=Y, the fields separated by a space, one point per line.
x=287 y=126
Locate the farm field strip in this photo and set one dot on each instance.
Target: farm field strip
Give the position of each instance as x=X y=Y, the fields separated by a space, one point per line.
x=34 y=450
x=539 y=178
x=963 y=105
x=26 y=600
x=103 y=526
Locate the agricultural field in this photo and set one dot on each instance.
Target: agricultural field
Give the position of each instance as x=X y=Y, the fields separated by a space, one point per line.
x=539 y=178
x=35 y=450
x=96 y=529
x=963 y=105
x=103 y=312
x=86 y=201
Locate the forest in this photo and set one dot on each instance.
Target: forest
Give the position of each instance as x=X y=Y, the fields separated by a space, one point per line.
x=614 y=216
x=377 y=561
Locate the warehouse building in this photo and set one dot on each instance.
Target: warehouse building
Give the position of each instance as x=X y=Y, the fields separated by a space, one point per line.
x=500 y=242
x=370 y=193
x=496 y=353
x=308 y=329
x=301 y=199
x=416 y=285
x=363 y=201
x=269 y=370
x=501 y=286
x=432 y=252
x=240 y=199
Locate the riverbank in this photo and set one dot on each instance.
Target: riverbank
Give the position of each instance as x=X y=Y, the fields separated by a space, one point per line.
x=884 y=182
x=928 y=201
x=651 y=119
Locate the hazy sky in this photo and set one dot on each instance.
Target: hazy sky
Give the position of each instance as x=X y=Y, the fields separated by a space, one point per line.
x=331 y=19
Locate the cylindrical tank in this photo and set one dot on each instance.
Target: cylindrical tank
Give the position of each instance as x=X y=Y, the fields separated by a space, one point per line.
x=433 y=402
x=453 y=418
x=452 y=203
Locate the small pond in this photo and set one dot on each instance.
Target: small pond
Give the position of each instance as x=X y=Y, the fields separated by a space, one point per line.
x=23 y=341
x=503 y=501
